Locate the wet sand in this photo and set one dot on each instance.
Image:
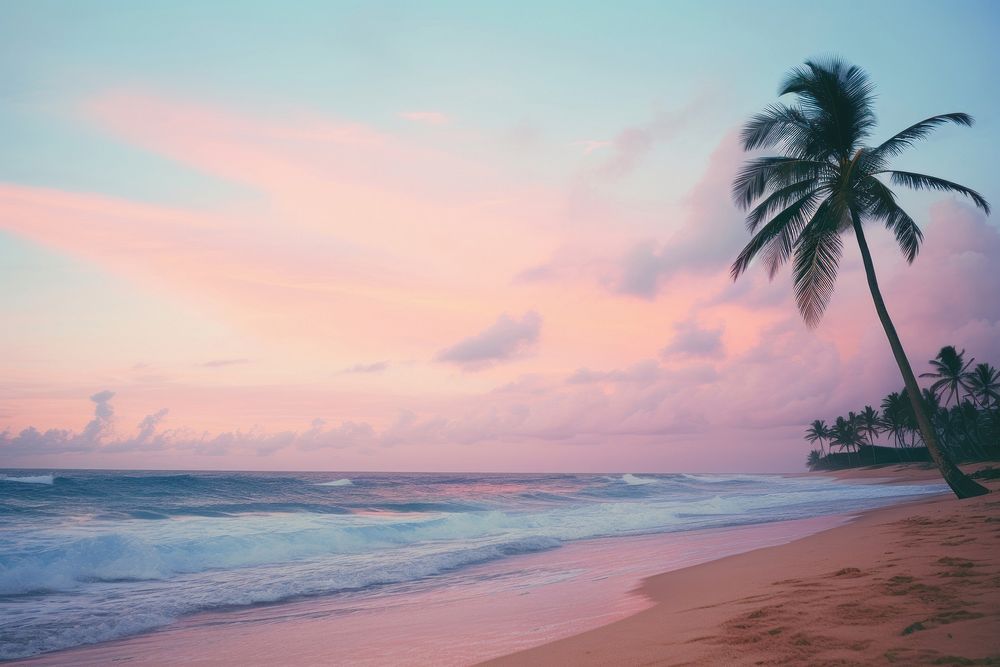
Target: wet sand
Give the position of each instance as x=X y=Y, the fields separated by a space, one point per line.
x=912 y=584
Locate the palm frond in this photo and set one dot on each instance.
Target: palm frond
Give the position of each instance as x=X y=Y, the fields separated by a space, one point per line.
x=925 y=182
x=758 y=175
x=786 y=224
x=882 y=206
x=838 y=98
x=898 y=143
x=777 y=124
x=777 y=200
x=817 y=259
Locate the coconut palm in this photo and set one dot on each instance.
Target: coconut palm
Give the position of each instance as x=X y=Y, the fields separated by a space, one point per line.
x=869 y=425
x=984 y=385
x=971 y=420
x=893 y=417
x=826 y=182
x=845 y=434
x=818 y=431
x=950 y=371
x=815 y=456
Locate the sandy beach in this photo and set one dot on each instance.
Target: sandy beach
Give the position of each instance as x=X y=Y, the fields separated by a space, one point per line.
x=913 y=584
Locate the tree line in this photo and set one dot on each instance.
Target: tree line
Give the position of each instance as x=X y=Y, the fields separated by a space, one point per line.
x=962 y=400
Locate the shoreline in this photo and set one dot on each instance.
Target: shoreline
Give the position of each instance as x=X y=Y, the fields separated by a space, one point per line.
x=581 y=586
x=917 y=582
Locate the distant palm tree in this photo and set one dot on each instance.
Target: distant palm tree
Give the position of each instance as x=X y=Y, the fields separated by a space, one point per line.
x=984 y=385
x=869 y=426
x=936 y=412
x=845 y=433
x=950 y=371
x=870 y=423
x=893 y=416
x=818 y=431
x=814 y=458
x=827 y=182
x=971 y=420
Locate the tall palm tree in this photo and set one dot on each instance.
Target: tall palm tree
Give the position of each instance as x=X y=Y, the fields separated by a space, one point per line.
x=818 y=431
x=826 y=182
x=984 y=385
x=950 y=371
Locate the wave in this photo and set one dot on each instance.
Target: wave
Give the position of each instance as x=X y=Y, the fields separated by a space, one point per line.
x=31 y=479
x=337 y=482
x=268 y=540
x=140 y=614
x=154 y=549
x=709 y=478
x=632 y=480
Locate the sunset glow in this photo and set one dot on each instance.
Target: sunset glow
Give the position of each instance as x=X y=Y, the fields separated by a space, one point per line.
x=339 y=247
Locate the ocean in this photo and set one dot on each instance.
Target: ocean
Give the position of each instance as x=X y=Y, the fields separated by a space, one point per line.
x=92 y=556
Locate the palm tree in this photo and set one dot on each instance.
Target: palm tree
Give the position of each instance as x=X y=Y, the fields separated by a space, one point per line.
x=818 y=431
x=815 y=456
x=934 y=410
x=845 y=434
x=893 y=417
x=826 y=182
x=950 y=371
x=984 y=385
x=869 y=425
x=970 y=417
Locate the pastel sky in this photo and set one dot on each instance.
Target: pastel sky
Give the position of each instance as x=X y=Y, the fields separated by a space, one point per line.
x=451 y=236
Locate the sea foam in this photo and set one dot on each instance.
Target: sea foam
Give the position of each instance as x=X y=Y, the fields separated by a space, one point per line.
x=632 y=480
x=31 y=479
x=337 y=482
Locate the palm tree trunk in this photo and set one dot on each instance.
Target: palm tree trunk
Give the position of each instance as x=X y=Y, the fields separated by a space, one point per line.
x=960 y=483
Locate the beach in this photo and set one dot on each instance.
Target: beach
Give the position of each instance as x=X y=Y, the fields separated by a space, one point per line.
x=917 y=583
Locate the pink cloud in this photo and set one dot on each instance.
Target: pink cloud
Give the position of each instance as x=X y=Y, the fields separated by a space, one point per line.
x=633 y=144
x=363 y=245
x=500 y=341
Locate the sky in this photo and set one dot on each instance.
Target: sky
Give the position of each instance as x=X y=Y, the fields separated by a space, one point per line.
x=452 y=236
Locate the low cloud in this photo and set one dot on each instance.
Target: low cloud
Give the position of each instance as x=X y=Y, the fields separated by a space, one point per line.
x=376 y=367
x=98 y=437
x=504 y=339
x=692 y=340
x=632 y=145
x=706 y=241
x=644 y=372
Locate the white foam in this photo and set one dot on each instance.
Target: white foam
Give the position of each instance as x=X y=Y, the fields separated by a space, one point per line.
x=337 y=482
x=159 y=604
x=35 y=479
x=632 y=480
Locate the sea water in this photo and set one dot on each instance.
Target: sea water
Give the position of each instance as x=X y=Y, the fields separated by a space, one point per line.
x=90 y=556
